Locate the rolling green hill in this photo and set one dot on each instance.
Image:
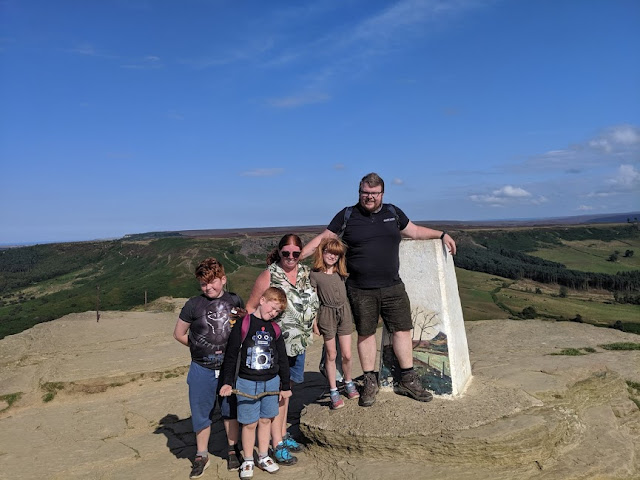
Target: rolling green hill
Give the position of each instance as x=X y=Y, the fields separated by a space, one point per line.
x=44 y=282
x=501 y=271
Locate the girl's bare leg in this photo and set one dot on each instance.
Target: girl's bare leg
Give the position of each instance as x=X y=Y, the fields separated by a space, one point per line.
x=345 y=349
x=330 y=361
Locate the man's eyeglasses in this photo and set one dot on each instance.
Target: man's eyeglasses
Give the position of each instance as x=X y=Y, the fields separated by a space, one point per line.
x=373 y=194
x=286 y=253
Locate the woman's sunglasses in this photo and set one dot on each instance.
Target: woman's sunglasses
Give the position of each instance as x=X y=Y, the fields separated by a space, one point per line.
x=285 y=254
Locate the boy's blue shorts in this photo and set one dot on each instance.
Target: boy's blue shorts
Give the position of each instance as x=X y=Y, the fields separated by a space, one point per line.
x=203 y=393
x=249 y=410
x=296 y=368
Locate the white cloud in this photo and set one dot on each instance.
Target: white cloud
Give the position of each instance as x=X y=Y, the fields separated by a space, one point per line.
x=88 y=50
x=613 y=144
x=146 y=63
x=350 y=50
x=601 y=194
x=627 y=178
x=584 y=208
x=509 y=191
x=508 y=195
x=262 y=172
x=615 y=138
x=232 y=53
x=539 y=200
x=397 y=181
x=339 y=166
x=295 y=101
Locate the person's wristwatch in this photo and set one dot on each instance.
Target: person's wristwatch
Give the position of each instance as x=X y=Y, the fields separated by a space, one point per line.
x=443 y=234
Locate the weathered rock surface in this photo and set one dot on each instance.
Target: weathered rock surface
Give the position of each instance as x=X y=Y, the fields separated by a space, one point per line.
x=120 y=409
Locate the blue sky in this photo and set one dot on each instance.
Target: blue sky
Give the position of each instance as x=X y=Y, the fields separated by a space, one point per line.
x=128 y=116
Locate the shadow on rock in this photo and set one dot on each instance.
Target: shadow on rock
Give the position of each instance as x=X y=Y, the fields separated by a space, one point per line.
x=314 y=387
x=181 y=440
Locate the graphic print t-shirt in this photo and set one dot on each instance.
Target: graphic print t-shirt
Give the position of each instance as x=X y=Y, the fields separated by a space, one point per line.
x=211 y=321
x=261 y=354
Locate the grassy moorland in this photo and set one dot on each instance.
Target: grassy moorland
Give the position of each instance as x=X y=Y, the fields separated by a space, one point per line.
x=44 y=282
x=562 y=273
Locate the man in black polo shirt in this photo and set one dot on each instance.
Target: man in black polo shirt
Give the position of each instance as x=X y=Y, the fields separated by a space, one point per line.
x=372 y=231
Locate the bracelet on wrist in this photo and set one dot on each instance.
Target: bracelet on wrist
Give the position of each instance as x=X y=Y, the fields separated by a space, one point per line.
x=443 y=234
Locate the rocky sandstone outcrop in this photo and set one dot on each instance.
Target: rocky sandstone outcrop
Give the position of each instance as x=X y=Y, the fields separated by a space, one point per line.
x=118 y=408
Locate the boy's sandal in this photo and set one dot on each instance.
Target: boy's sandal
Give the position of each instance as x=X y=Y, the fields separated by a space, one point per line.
x=246 y=469
x=268 y=465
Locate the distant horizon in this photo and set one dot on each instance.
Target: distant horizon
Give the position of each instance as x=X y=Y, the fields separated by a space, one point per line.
x=307 y=226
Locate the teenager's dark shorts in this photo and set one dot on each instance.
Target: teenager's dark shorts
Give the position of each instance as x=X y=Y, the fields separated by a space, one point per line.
x=390 y=303
x=203 y=394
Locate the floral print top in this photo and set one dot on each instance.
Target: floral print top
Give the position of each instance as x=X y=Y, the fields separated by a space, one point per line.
x=296 y=322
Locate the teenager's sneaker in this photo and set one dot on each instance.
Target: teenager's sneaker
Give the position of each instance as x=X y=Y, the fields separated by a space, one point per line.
x=200 y=464
x=291 y=444
x=246 y=469
x=268 y=465
x=369 y=390
x=283 y=455
x=351 y=390
x=233 y=457
x=336 y=401
x=411 y=386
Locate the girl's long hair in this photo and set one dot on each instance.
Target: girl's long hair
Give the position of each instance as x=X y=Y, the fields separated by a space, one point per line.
x=335 y=246
x=288 y=239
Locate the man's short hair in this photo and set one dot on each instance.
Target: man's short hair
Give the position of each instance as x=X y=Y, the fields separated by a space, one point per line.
x=209 y=269
x=373 y=180
x=275 y=294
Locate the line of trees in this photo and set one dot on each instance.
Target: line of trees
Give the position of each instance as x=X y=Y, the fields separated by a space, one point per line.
x=517 y=265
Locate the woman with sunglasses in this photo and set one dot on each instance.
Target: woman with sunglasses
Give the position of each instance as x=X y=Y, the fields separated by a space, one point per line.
x=296 y=322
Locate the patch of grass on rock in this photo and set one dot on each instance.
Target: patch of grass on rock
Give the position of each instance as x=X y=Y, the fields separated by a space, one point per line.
x=573 y=352
x=621 y=346
x=51 y=389
x=10 y=399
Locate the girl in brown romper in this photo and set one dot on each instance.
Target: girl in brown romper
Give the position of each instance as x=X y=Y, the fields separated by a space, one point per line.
x=334 y=317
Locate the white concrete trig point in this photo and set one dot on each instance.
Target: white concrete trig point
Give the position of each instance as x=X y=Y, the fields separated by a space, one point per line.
x=440 y=354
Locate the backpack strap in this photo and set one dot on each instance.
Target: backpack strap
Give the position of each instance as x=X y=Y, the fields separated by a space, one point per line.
x=347 y=214
x=392 y=209
x=244 y=329
x=276 y=328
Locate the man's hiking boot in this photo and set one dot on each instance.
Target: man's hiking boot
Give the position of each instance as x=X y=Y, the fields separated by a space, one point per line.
x=411 y=386
x=283 y=455
x=291 y=444
x=369 y=390
x=200 y=464
x=233 y=457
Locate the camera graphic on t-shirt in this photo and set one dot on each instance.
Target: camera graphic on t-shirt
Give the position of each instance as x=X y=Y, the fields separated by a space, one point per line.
x=260 y=356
